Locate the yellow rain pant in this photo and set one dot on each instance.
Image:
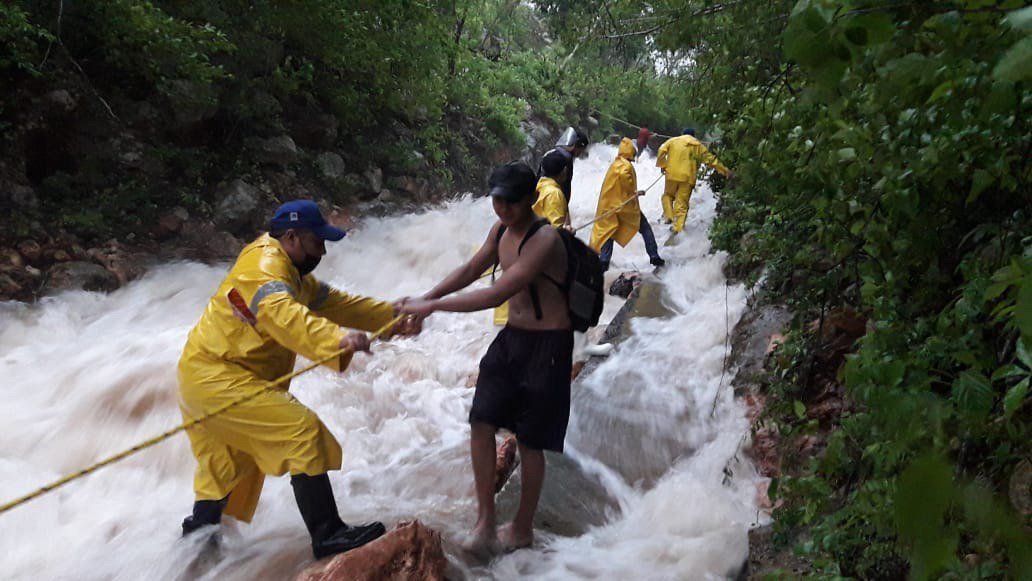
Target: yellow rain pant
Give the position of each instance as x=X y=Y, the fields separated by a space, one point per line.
x=270 y=434
x=677 y=195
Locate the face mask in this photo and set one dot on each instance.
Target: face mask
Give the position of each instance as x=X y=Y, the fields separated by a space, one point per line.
x=308 y=264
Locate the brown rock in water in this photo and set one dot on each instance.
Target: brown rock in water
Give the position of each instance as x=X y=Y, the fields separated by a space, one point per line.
x=30 y=250
x=505 y=462
x=578 y=366
x=410 y=551
x=80 y=275
x=624 y=284
x=12 y=257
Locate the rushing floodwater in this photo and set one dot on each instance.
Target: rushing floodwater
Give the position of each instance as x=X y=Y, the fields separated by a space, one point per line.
x=86 y=375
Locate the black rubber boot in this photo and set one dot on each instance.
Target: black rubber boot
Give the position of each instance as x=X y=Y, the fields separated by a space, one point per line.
x=329 y=534
x=657 y=261
x=205 y=512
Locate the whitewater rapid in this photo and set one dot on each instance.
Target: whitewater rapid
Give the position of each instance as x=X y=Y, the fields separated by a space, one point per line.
x=85 y=375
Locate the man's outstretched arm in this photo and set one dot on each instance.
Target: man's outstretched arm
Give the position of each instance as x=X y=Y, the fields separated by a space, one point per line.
x=470 y=272
x=531 y=262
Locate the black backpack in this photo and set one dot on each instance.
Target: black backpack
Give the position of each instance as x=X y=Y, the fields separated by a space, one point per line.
x=584 y=278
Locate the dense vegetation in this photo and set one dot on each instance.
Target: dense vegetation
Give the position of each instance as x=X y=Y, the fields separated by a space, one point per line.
x=438 y=89
x=881 y=148
x=883 y=151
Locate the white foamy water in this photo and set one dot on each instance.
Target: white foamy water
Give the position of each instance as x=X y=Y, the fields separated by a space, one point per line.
x=86 y=375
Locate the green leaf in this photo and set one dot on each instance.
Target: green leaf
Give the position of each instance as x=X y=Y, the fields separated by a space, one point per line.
x=1008 y=371
x=1024 y=353
x=1020 y=19
x=800 y=409
x=973 y=393
x=979 y=182
x=772 y=490
x=875 y=29
x=923 y=494
x=1016 y=64
x=1023 y=309
x=1015 y=396
x=847 y=154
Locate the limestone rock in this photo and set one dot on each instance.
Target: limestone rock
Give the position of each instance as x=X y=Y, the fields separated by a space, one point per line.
x=202 y=240
x=410 y=551
x=239 y=207
x=30 y=250
x=171 y=223
x=330 y=164
x=79 y=275
x=60 y=101
x=280 y=151
x=374 y=176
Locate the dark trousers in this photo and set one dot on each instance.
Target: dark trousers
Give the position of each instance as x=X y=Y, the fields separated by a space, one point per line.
x=645 y=229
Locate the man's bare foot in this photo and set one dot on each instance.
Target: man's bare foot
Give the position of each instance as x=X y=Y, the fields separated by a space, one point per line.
x=483 y=541
x=511 y=539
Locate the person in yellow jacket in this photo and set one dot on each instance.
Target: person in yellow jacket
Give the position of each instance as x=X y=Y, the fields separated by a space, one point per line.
x=618 y=216
x=235 y=350
x=551 y=203
x=679 y=158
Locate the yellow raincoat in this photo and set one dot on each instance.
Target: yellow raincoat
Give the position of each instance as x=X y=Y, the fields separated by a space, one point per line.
x=680 y=157
x=619 y=186
x=551 y=202
x=226 y=358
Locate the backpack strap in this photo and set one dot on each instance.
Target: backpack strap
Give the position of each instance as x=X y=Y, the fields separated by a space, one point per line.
x=533 y=290
x=498 y=239
x=534 y=299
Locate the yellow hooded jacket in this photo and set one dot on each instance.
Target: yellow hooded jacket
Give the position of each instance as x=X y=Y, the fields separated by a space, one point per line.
x=551 y=202
x=226 y=358
x=619 y=186
x=681 y=156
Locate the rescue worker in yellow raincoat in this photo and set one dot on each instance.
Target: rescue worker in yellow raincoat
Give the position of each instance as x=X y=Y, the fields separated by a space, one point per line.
x=233 y=352
x=618 y=216
x=551 y=203
x=679 y=158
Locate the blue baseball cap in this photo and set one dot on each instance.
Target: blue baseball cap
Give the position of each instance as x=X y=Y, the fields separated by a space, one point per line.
x=304 y=215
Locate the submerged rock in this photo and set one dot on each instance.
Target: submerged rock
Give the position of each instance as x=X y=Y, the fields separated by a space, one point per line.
x=410 y=551
x=79 y=275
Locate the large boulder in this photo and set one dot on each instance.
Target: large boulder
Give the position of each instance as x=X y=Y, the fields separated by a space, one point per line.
x=202 y=240
x=280 y=151
x=331 y=165
x=410 y=551
x=412 y=187
x=239 y=209
x=374 y=176
x=79 y=275
x=314 y=129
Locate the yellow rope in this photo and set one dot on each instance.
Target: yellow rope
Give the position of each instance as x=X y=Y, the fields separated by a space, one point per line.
x=187 y=425
x=616 y=209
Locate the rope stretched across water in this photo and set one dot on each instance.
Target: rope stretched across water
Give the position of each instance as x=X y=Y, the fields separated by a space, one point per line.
x=616 y=209
x=186 y=425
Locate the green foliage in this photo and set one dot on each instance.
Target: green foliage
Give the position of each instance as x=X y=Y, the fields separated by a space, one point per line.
x=19 y=41
x=882 y=161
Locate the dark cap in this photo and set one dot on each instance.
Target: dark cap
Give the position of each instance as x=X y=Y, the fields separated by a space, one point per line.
x=512 y=182
x=553 y=163
x=304 y=215
x=688 y=131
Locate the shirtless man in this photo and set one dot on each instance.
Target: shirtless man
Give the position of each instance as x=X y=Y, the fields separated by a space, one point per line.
x=524 y=381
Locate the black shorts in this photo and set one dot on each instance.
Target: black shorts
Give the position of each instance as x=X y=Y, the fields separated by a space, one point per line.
x=524 y=386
